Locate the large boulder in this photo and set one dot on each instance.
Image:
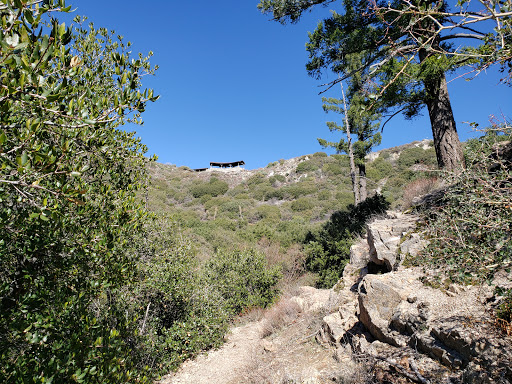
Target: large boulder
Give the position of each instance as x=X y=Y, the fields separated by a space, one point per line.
x=392 y=237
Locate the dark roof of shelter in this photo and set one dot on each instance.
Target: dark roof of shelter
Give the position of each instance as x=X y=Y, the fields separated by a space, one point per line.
x=227 y=165
x=200 y=169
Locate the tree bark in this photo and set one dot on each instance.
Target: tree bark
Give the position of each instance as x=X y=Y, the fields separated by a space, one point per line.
x=362 y=182
x=444 y=131
x=353 y=177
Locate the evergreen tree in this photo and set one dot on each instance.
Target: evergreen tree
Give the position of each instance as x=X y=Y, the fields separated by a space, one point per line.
x=412 y=45
x=360 y=120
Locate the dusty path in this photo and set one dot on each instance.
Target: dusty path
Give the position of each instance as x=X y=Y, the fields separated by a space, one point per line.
x=223 y=365
x=289 y=352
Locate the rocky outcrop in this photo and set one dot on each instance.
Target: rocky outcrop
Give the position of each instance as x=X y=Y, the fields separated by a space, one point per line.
x=423 y=334
x=388 y=239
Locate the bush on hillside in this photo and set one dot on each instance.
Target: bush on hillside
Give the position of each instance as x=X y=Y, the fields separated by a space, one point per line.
x=263 y=192
x=328 y=250
x=274 y=193
x=302 y=204
x=270 y=212
x=417 y=155
x=214 y=187
x=344 y=198
x=307 y=166
x=243 y=279
x=181 y=308
x=470 y=227
x=273 y=180
x=334 y=169
x=303 y=188
x=256 y=179
x=324 y=195
x=379 y=169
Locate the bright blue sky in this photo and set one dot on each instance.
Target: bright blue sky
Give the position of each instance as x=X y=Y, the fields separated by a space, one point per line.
x=233 y=84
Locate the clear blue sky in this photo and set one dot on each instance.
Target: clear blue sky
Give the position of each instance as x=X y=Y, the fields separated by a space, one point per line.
x=233 y=84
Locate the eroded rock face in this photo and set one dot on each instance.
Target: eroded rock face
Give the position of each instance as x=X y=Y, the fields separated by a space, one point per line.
x=377 y=306
x=394 y=319
x=388 y=239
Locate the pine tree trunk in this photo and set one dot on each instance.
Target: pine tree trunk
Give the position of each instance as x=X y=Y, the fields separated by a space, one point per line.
x=446 y=140
x=355 y=184
x=353 y=177
x=362 y=182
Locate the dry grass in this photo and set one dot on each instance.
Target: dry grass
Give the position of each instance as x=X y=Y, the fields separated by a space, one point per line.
x=418 y=188
x=281 y=314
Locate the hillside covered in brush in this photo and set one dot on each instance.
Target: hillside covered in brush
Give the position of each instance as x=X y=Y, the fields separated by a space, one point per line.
x=235 y=207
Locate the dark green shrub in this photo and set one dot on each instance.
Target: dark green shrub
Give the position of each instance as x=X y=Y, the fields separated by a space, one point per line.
x=319 y=154
x=417 y=155
x=306 y=166
x=328 y=250
x=324 y=195
x=302 y=204
x=275 y=193
x=268 y=212
x=379 y=169
x=256 y=179
x=205 y=198
x=258 y=231
x=294 y=191
x=243 y=279
x=276 y=178
x=292 y=231
x=261 y=191
x=216 y=202
x=334 y=169
x=344 y=198
x=214 y=187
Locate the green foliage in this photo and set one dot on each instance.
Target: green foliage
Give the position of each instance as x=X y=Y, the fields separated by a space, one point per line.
x=302 y=204
x=334 y=169
x=417 y=155
x=177 y=316
x=379 y=169
x=344 y=198
x=328 y=250
x=471 y=229
x=275 y=193
x=297 y=190
x=319 y=154
x=324 y=195
x=306 y=166
x=69 y=202
x=268 y=212
x=256 y=179
x=504 y=311
x=243 y=279
x=214 y=187
x=276 y=178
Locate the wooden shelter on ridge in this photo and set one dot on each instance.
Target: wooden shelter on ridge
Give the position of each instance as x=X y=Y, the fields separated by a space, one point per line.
x=227 y=165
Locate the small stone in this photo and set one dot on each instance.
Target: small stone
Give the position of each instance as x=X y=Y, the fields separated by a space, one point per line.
x=268 y=346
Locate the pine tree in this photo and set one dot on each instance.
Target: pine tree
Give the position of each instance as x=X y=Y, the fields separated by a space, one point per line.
x=361 y=120
x=412 y=46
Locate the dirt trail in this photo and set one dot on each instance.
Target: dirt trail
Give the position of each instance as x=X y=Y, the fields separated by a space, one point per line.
x=288 y=354
x=222 y=365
